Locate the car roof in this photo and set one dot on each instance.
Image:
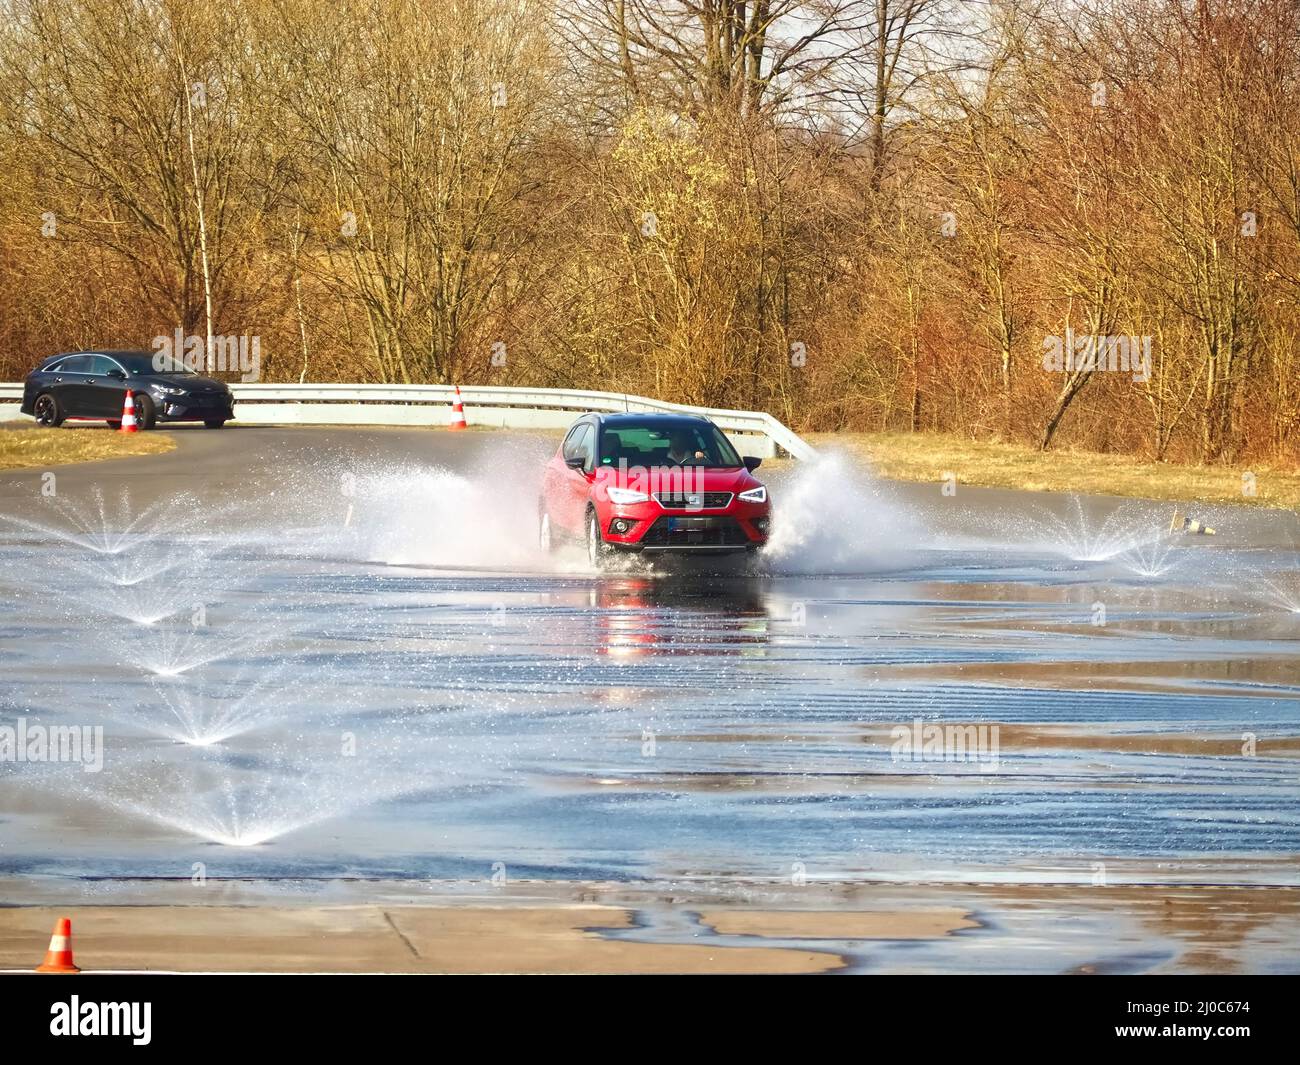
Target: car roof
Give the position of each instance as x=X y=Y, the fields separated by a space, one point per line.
x=95 y=351
x=615 y=420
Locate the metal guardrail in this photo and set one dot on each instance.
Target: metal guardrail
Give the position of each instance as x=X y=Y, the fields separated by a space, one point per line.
x=501 y=406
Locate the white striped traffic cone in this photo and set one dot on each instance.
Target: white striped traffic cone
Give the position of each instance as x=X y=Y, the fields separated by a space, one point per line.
x=128 y=414
x=1179 y=523
x=58 y=959
x=458 y=413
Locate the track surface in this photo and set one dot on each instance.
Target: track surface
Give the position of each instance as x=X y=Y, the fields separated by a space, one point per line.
x=328 y=653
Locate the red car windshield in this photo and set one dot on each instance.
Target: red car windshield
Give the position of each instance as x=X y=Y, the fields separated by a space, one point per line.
x=666 y=443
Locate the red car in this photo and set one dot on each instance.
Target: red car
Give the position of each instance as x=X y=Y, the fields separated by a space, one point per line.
x=651 y=483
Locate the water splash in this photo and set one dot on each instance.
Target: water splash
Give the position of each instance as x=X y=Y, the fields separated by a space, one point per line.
x=206 y=714
x=1283 y=592
x=109 y=529
x=834 y=517
x=1152 y=560
x=174 y=649
x=484 y=518
x=235 y=799
x=1133 y=531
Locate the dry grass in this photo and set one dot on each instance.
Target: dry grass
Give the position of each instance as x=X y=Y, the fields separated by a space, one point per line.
x=924 y=457
x=23 y=448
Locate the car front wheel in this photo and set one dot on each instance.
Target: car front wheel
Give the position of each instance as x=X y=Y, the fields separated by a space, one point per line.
x=597 y=550
x=215 y=423
x=47 y=411
x=146 y=414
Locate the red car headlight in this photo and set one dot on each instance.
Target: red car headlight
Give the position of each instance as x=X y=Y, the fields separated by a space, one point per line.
x=622 y=497
x=754 y=495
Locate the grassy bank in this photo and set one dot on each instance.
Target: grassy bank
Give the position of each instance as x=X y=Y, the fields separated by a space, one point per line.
x=23 y=448
x=930 y=457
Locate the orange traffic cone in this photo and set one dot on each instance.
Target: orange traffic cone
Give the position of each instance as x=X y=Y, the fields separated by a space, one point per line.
x=458 y=413
x=128 y=414
x=58 y=959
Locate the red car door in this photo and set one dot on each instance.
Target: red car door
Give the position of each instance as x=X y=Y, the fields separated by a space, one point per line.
x=560 y=483
x=576 y=483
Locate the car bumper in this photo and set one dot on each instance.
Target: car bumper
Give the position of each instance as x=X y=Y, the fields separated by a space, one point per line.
x=183 y=409
x=651 y=528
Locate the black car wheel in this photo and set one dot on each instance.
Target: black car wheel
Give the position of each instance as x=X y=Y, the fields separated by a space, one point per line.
x=597 y=549
x=47 y=411
x=214 y=423
x=146 y=414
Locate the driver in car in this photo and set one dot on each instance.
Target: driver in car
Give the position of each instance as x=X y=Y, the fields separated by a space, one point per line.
x=680 y=452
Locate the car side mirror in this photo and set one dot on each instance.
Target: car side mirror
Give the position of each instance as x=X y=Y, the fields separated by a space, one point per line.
x=752 y=463
x=118 y=374
x=576 y=463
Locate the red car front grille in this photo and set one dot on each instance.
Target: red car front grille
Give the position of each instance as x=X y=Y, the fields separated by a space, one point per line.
x=693 y=500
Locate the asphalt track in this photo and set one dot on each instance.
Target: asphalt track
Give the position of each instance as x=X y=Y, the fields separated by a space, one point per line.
x=240 y=462
x=257 y=460
x=520 y=720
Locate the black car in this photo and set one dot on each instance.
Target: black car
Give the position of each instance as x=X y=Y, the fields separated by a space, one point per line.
x=92 y=386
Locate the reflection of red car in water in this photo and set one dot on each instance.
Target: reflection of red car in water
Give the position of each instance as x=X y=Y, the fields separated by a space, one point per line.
x=651 y=483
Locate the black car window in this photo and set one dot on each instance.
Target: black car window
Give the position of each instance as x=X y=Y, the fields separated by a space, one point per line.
x=101 y=365
x=76 y=364
x=139 y=362
x=587 y=447
x=650 y=443
x=572 y=440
